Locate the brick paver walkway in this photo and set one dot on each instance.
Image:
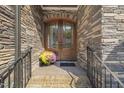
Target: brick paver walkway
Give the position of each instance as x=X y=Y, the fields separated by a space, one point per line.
x=54 y=76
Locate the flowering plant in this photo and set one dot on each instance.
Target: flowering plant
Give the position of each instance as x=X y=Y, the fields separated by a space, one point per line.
x=47 y=57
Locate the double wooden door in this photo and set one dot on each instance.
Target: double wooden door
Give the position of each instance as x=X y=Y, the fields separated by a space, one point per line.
x=61 y=37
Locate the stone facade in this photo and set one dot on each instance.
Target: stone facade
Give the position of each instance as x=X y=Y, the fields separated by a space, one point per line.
x=7 y=30
x=100 y=27
x=113 y=33
x=113 y=36
x=38 y=19
x=30 y=34
x=88 y=31
x=62 y=14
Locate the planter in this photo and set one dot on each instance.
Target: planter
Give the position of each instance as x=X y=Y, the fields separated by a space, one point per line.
x=41 y=63
x=46 y=58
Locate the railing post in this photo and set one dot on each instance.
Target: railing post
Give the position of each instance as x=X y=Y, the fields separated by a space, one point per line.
x=97 y=77
x=9 y=78
x=17 y=44
x=110 y=81
x=101 y=79
x=105 y=79
x=0 y=82
x=21 y=72
x=92 y=63
x=87 y=63
x=25 y=74
x=94 y=72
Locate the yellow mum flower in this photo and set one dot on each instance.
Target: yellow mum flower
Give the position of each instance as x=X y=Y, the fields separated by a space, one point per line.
x=47 y=57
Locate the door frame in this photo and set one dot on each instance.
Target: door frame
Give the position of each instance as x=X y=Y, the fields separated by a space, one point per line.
x=46 y=33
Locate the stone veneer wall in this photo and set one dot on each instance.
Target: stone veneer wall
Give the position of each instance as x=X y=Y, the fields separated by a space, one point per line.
x=7 y=30
x=88 y=31
x=102 y=28
x=113 y=35
x=29 y=33
x=62 y=14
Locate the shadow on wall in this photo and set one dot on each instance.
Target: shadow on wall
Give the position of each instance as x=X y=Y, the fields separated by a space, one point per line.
x=115 y=60
x=36 y=12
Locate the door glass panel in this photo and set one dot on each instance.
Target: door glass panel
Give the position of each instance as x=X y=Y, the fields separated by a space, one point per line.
x=60 y=34
x=67 y=32
x=53 y=30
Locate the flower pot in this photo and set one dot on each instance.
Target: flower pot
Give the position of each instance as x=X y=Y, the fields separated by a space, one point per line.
x=46 y=58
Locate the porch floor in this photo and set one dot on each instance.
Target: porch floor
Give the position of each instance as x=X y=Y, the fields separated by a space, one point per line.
x=54 y=76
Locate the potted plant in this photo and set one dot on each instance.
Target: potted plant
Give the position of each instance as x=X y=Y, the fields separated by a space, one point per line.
x=47 y=57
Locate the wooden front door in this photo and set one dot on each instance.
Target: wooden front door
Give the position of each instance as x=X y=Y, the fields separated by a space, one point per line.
x=61 y=37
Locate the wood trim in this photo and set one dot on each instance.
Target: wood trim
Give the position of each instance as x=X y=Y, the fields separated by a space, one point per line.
x=71 y=53
x=53 y=20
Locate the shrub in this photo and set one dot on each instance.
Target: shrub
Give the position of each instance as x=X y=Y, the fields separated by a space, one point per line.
x=47 y=57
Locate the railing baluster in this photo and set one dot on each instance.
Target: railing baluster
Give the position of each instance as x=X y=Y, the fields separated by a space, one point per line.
x=30 y=61
x=28 y=74
x=105 y=78
x=27 y=62
x=1 y=82
x=100 y=75
x=110 y=81
x=21 y=73
x=8 y=78
x=97 y=74
x=92 y=68
x=18 y=64
x=87 y=61
x=118 y=85
x=25 y=70
x=93 y=72
x=14 y=75
x=29 y=66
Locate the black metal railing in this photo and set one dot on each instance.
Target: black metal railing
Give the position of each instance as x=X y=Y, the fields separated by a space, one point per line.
x=99 y=74
x=7 y=77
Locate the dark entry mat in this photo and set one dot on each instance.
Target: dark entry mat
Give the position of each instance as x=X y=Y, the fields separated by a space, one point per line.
x=67 y=64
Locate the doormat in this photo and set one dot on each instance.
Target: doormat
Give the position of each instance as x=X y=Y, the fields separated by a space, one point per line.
x=67 y=64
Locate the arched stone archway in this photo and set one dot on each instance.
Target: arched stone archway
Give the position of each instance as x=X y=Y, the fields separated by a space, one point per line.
x=59 y=14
